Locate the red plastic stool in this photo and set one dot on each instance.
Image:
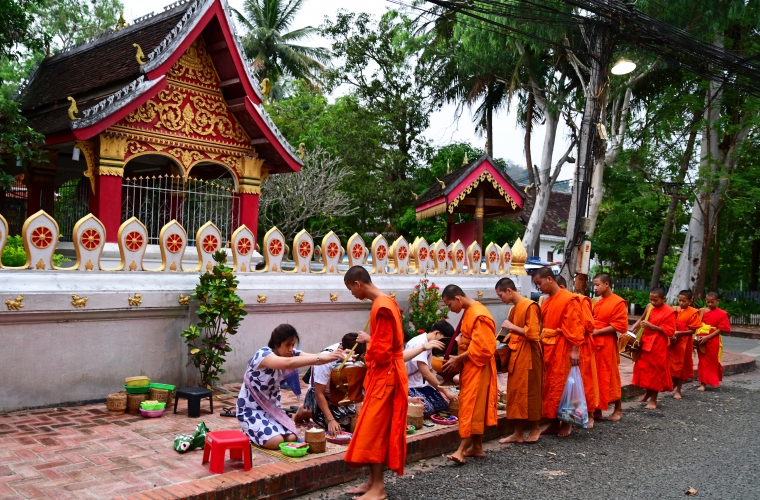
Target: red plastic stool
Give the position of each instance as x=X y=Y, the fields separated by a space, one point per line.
x=217 y=444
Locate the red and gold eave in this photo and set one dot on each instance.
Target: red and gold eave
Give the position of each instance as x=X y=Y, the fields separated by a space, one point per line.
x=186 y=106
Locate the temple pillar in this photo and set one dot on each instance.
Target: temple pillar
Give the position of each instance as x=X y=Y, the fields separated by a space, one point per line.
x=252 y=173
x=449 y=224
x=106 y=202
x=40 y=185
x=479 y=210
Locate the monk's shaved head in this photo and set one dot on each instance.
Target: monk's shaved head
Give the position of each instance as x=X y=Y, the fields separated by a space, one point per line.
x=660 y=292
x=451 y=292
x=603 y=277
x=561 y=281
x=505 y=283
x=357 y=273
x=712 y=295
x=544 y=272
x=687 y=293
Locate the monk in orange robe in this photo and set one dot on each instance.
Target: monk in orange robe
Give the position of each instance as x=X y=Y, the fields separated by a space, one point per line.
x=610 y=317
x=652 y=370
x=588 y=354
x=380 y=435
x=562 y=336
x=681 y=353
x=710 y=347
x=478 y=394
x=526 y=364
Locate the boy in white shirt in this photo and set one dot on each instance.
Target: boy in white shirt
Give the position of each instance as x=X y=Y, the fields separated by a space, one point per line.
x=423 y=382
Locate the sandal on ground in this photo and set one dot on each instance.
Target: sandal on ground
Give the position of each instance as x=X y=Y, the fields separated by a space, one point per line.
x=229 y=411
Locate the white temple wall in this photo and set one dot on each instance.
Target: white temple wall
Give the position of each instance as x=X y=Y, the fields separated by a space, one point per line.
x=53 y=353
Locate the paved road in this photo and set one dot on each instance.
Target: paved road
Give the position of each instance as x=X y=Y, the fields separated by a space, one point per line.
x=708 y=441
x=749 y=347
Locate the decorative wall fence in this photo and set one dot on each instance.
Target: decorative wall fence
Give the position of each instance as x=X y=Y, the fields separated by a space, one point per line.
x=41 y=233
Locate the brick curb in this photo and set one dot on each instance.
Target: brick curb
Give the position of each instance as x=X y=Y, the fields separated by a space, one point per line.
x=281 y=480
x=735 y=332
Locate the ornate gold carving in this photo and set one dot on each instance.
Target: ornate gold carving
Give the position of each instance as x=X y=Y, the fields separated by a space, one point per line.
x=89 y=266
x=113 y=147
x=249 y=189
x=299 y=297
x=266 y=87
x=162 y=140
x=478 y=212
x=195 y=64
x=184 y=300
x=173 y=266
x=185 y=157
x=333 y=297
x=72 y=108
x=78 y=301
x=140 y=56
x=262 y=299
x=15 y=304
x=250 y=167
x=40 y=264
x=482 y=177
x=135 y=147
x=480 y=294
x=88 y=150
x=301 y=150
x=133 y=266
x=392 y=295
x=519 y=257
x=135 y=301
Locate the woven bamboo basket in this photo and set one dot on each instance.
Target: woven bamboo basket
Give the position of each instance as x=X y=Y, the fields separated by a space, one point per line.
x=316 y=439
x=414 y=415
x=133 y=403
x=116 y=403
x=160 y=395
x=454 y=408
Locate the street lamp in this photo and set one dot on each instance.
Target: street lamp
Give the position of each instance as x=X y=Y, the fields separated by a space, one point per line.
x=623 y=67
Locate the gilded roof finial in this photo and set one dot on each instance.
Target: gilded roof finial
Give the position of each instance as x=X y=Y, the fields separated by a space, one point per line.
x=72 y=109
x=443 y=186
x=301 y=151
x=465 y=161
x=266 y=87
x=140 y=56
x=448 y=166
x=121 y=23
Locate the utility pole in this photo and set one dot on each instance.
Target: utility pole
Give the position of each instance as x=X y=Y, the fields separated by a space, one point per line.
x=590 y=145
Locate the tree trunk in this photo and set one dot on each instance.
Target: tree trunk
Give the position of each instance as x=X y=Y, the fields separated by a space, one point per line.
x=489 y=131
x=715 y=259
x=754 y=264
x=545 y=183
x=662 y=249
x=528 y=130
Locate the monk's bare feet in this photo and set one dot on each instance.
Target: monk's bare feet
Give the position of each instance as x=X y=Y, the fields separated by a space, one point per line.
x=514 y=438
x=590 y=422
x=552 y=428
x=533 y=435
x=364 y=488
x=644 y=398
x=473 y=451
x=373 y=495
x=598 y=415
x=651 y=406
x=457 y=457
x=616 y=415
x=564 y=430
x=702 y=388
x=677 y=395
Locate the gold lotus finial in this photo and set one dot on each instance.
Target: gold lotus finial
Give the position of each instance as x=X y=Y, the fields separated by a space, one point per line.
x=73 y=109
x=140 y=56
x=519 y=257
x=465 y=161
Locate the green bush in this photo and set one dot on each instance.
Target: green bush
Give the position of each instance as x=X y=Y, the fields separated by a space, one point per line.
x=14 y=254
x=424 y=308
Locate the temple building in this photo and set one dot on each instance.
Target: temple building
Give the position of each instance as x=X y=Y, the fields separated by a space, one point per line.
x=160 y=120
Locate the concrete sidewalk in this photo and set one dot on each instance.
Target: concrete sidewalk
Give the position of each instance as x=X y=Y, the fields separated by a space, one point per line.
x=82 y=452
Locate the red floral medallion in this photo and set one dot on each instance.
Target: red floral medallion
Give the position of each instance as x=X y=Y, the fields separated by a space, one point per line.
x=304 y=249
x=441 y=255
x=357 y=251
x=42 y=237
x=133 y=241
x=90 y=239
x=402 y=253
x=423 y=253
x=451 y=257
x=275 y=248
x=210 y=243
x=507 y=257
x=244 y=246
x=476 y=256
x=174 y=243
x=493 y=257
x=332 y=249
x=381 y=252
x=460 y=255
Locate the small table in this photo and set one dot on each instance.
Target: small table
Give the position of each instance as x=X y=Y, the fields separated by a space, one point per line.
x=194 y=396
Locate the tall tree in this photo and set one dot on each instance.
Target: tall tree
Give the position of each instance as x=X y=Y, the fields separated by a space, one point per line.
x=274 y=50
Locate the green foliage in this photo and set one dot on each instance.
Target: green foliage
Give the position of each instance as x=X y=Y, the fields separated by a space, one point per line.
x=18 y=27
x=68 y=22
x=638 y=297
x=220 y=313
x=424 y=308
x=14 y=254
x=17 y=139
x=275 y=51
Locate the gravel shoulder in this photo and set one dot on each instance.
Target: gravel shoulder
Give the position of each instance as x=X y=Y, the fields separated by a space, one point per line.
x=707 y=441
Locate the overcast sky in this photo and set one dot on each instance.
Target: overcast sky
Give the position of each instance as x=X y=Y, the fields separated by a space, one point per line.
x=444 y=127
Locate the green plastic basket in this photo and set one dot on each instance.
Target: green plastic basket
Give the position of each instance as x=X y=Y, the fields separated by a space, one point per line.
x=137 y=390
x=165 y=387
x=295 y=453
x=152 y=407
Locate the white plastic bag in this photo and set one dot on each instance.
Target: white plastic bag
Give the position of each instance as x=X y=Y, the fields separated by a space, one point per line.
x=572 y=406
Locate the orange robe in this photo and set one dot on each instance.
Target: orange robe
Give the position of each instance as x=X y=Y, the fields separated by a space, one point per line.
x=609 y=311
x=380 y=435
x=562 y=330
x=526 y=364
x=478 y=395
x=652 y=370
x=681 y=353
x=710 y=369
x=588 y=356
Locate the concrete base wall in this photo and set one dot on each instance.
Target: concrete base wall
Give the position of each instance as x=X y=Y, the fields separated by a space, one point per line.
x=52 y=353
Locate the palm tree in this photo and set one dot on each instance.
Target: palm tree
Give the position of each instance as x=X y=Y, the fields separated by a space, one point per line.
x=272 y=48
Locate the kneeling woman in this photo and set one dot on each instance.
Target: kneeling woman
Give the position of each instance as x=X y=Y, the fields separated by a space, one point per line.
x=258 y=405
